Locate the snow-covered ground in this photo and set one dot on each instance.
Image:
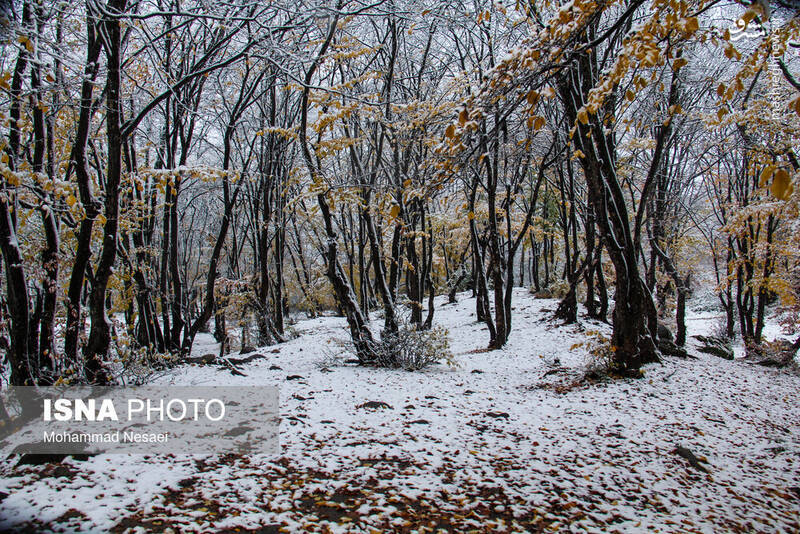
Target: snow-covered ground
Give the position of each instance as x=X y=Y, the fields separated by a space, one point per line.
x=509 y=441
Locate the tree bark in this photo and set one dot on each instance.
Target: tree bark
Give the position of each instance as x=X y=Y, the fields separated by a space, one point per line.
x=100 y=333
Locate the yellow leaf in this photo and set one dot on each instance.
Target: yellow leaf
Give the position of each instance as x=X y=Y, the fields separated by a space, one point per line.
x=678 y=63
x=781 y=185
x=721 y=112
x=71 y=200
x=463 y=117
x=583 y=117
x=795 y=105
x=532 y=97
x=450 y=131
x=748 y=16
x=731 y=52
x=471 y=215
x=538 y=123
x=692 y=25
x=720 y=89
x=766 y=174
x=630 y=95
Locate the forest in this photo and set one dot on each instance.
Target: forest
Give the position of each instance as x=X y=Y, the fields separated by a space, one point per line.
x=166 y=165
x=184 y=181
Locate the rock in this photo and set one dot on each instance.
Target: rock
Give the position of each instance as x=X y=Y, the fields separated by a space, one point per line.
x=689 y=457
x=665 y=333
x=247 y=349
x=374 y=405
x=204 y=359
x=295 y=377
x=247 y=359
x=50 y=458
x=713 y=340
x=716 y=350
x=275 y=367
x=498 y=415
x=668 y=347
x=771 y=362
x=716 y=346
x=778 y=353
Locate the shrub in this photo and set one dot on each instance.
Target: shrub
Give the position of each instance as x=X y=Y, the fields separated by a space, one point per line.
x=412 y=349
x=555 y=290
x=720 y=328
x=599 y=353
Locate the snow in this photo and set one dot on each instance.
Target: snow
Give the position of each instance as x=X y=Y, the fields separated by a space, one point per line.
x=493 y=444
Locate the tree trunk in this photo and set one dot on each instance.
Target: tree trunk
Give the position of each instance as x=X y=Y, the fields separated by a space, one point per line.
x=632 y=340
x=100 y=333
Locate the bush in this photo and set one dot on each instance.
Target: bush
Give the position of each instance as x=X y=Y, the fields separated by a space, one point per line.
x=720 y=328
x=413 y=349
x=410 y=349
x=599 y=359
x=556 y=290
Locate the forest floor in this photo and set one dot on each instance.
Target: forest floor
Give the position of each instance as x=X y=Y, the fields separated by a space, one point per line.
x=512 y=440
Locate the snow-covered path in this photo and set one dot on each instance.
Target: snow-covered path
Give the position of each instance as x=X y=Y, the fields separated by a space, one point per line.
x=494 y=445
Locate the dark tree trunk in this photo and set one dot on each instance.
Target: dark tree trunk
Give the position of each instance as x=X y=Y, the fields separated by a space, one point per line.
x=43 y=131
x=100 y=334
x=78 y=163
x=632 y=340
x=389 y=316
x=359 y=328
